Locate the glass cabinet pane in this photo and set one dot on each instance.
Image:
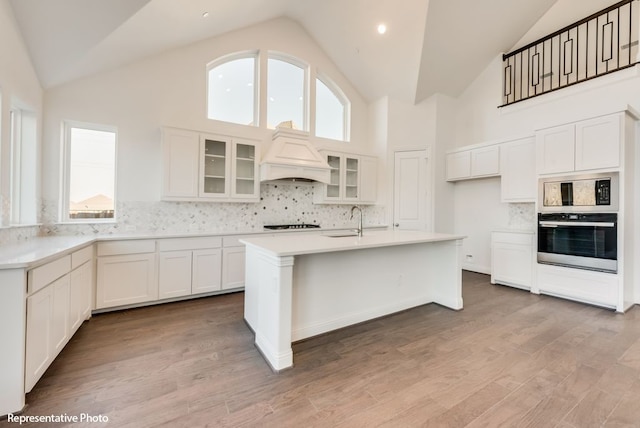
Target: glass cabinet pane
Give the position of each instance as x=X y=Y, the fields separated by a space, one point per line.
x=245 y=169
x=215 y=167
x=333 y=189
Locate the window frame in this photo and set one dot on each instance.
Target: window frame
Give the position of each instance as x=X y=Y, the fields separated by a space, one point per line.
x=24 y=179
x=306 y=99
x=67 y=125
x=342 y=98
x=255 y=55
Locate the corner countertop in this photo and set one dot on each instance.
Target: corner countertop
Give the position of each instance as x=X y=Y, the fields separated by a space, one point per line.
x=284 y=245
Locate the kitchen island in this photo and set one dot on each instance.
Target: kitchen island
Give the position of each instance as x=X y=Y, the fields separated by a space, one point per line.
x=301 y=286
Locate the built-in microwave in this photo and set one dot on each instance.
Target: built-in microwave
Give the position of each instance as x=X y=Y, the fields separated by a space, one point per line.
x=579 y=193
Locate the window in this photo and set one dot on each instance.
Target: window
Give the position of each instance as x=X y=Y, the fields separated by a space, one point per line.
x=24 y=174
x=232 y=88
x=235 y=96
x=331 y=111
x=286 y=99
x=90 y=173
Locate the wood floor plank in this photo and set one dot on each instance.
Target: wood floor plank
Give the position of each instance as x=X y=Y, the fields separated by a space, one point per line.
x=510 y=358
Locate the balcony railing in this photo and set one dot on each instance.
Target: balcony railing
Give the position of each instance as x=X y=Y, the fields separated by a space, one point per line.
x=600 y=44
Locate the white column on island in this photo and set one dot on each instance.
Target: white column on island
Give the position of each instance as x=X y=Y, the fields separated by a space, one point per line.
x=268 y=305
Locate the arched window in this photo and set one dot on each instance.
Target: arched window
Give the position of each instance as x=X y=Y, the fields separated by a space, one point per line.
x=331 y=111
x=232 y=89
x=234 y=94
x=286 y=92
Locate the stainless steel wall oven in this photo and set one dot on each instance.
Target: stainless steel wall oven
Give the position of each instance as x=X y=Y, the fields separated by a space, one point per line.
x=580 y=240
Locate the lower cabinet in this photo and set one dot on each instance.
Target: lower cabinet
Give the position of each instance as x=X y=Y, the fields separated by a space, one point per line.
x=189 y=266
x=512 y=258
x=596 y=288
x=126 y=273
x=56 y=307
x=232 y=263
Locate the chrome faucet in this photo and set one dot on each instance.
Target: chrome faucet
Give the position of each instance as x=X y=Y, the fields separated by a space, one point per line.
x=359 y=230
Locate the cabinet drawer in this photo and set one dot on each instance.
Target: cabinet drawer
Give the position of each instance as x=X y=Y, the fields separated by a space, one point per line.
x=82 y=256
x=126 y=247
x=234 y=241
x=515 y=238
x=183 y=244
x=41 y=276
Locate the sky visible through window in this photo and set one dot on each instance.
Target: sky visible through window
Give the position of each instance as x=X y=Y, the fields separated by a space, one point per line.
x=329 y=113
x=232 y=92
x=285 y=94
x=91 y=170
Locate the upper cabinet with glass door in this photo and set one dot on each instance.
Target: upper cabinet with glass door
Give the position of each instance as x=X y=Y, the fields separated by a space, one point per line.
x=199 y=166
x=353 y=180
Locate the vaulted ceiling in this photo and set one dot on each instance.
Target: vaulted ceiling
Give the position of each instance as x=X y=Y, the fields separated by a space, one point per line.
x=431 y=46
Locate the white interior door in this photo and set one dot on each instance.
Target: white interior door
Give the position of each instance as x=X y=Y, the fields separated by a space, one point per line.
x=410 y=190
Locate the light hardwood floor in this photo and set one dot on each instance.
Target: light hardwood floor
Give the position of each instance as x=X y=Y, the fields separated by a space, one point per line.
x=509 y=358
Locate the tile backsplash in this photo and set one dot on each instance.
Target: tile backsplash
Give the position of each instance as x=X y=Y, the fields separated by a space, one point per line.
x=281 y=203
x=522 y=216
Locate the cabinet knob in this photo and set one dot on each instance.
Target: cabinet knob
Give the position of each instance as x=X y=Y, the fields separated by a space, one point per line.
x=396 y=225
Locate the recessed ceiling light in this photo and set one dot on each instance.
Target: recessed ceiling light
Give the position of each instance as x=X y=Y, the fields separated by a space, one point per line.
x=205 y=14
x=382 y=28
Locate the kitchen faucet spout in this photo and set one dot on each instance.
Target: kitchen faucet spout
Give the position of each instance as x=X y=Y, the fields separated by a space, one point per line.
x=360 y=221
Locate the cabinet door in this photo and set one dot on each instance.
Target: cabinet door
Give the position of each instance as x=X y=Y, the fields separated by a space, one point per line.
x=512 y=259
x=60 y=321
x=333 y=189
x=368 y=180
x=518 y=170
x=207 y=275
x=126 y=279
x=233 y=267
x=351 y=178
x=556 y=149
x=485 y=161
x=458 y=165
x=598 y=143
x=180 y=163
x=245 y=183
x=80 y=298
x=39 y=346
x=215 y=167
x=174 y=274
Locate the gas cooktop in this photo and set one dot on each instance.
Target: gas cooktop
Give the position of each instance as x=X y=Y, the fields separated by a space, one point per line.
x=291 y=226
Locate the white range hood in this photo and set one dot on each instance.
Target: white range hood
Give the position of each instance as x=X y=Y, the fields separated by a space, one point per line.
x=292 y=156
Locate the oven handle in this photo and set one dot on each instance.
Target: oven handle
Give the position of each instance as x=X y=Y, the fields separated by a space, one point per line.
x=576 y=223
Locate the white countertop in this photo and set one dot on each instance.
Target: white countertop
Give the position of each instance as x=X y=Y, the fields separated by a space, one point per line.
x=288 y=245
x=37 y=251
x=40 y=250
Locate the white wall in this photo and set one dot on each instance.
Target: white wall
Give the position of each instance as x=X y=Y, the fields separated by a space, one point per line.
x=170 y=90
x=19 y=86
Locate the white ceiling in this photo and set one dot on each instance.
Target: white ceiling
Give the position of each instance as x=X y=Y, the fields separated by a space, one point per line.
x=430 y=46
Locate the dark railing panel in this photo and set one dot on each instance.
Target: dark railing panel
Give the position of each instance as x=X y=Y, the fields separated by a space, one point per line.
x=600 y=44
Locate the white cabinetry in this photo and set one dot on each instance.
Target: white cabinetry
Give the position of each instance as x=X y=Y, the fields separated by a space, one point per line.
x=353 y=180
x=233 y=255
x=180 y=163
x=59 y=300
x=81 y=287
x=189 y=266
x=126 y=273
x=596 y=288
x=587 y=145
x=518 y=171
x=199 y=166
x=512 y=258
x=473 y=163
